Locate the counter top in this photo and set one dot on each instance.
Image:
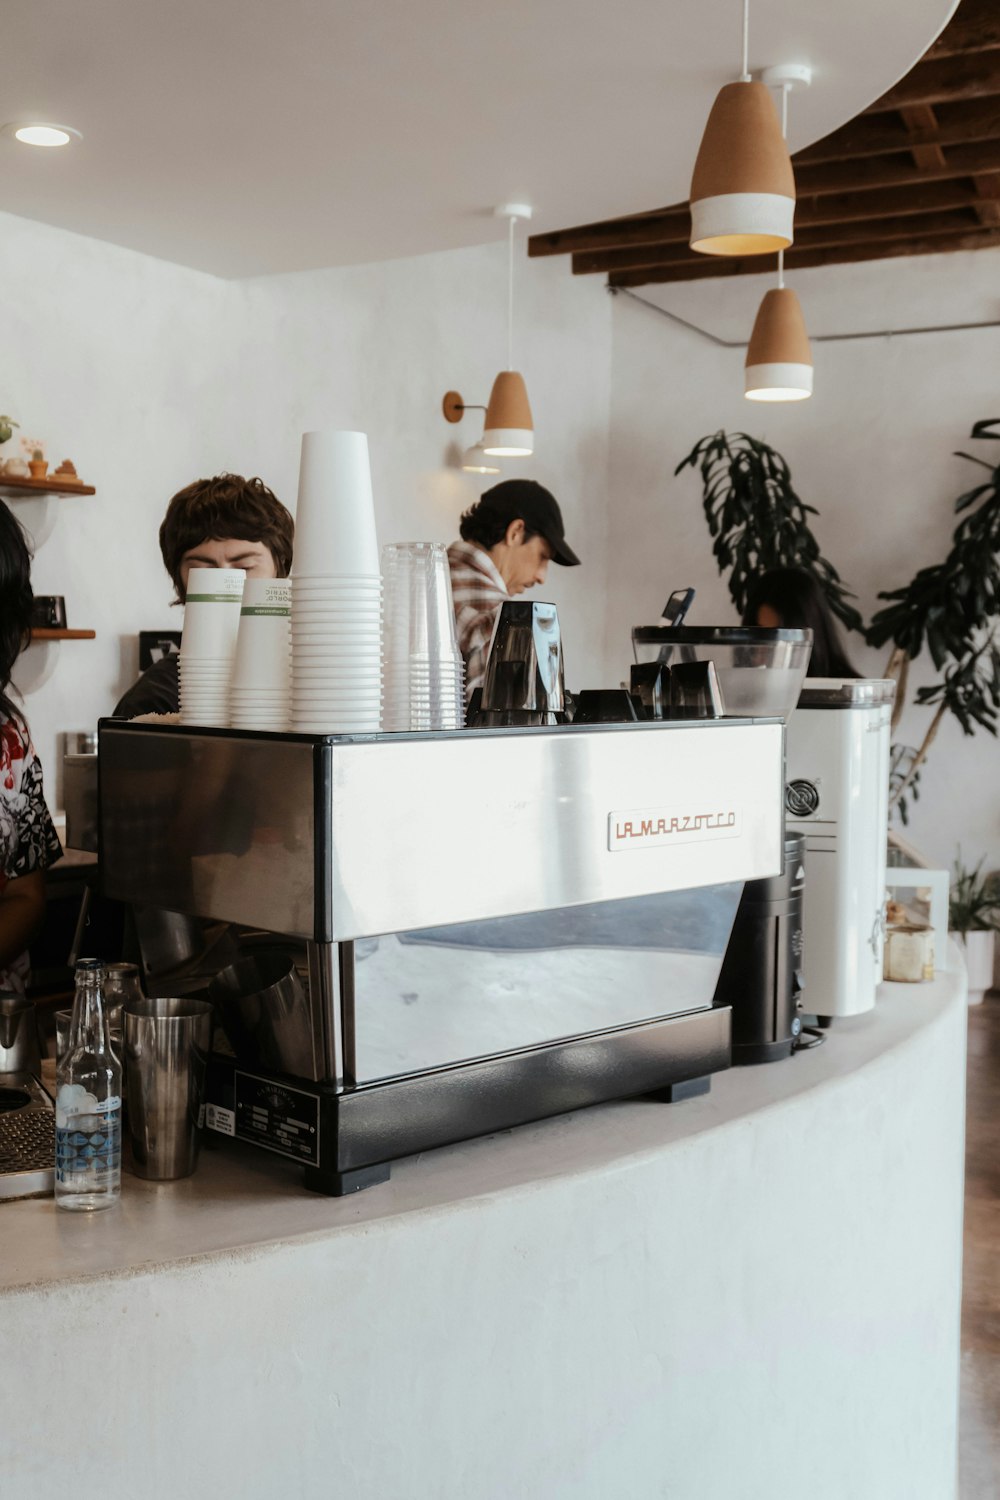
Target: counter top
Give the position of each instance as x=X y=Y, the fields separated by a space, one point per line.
x=241 y=1199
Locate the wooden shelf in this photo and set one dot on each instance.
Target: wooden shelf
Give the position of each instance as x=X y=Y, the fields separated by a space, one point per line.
x=63 y=635
x=14 y=488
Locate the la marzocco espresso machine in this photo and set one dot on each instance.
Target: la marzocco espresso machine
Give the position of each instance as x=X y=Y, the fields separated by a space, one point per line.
x=485 y=927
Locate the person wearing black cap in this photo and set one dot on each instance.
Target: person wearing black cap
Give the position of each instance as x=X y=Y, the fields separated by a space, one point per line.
x=507 y=541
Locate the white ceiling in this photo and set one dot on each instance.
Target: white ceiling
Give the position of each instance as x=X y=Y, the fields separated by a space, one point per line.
x=244 y=138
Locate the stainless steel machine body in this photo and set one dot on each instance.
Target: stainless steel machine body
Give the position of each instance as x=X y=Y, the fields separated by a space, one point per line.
x=488 y=934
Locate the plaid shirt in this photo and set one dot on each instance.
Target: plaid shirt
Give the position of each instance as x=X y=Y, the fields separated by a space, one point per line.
x=478 y=591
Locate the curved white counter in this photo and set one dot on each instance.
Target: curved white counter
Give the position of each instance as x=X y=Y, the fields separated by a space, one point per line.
x=752 y=1294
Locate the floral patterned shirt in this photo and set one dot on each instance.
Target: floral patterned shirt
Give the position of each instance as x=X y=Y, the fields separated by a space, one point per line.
x=28 y=841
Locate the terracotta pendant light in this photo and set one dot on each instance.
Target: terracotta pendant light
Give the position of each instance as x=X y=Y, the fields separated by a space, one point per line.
x=508 y=430
x=743 y=187
x=779 y=365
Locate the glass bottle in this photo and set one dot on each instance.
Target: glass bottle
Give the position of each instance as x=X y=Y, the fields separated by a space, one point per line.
x=88 y=1102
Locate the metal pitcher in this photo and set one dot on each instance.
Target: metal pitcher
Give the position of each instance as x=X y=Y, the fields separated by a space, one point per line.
x=19 y=1049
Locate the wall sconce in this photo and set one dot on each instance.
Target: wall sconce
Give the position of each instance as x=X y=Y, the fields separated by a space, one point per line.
x=475 y=460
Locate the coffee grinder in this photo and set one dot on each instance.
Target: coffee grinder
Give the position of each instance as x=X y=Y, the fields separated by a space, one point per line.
x=837 y=794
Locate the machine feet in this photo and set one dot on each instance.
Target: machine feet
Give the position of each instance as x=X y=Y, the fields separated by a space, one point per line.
x=339 y=1184
x=689 y=1089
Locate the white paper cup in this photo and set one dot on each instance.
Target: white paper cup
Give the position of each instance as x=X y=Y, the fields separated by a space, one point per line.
x=263 y=646
x=336 y=588
x=333 y=673
x=212 y=613
x=335 y=514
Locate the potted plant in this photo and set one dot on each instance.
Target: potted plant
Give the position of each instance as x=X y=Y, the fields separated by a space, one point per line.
x=756 y=519
x=952 y=607
x=7 y=425
x=974 y=917
x=37 y=464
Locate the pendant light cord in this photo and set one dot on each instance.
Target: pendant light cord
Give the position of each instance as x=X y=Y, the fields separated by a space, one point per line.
x=745 y=74
x=510 y=291
x=784 y=136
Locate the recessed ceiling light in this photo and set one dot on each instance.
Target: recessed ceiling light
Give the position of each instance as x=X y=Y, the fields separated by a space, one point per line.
x=37 y=134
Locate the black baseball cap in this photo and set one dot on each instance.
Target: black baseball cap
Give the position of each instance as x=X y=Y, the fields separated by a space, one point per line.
x=528 y=501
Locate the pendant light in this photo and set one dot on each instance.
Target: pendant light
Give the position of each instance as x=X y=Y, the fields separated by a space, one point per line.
x=743 y=187
x=779 y=364
x=508 y=431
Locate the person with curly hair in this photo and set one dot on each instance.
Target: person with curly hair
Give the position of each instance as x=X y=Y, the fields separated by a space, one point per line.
x=29 y=843
x=225 y=522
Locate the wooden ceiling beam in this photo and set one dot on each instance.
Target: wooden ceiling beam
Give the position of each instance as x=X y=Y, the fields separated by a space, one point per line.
x=673 y=226
x=919 y=119
x=896 y=171
x=871 y=233
x=987 y=204
x=875 y=135
x=672 y=223
x=975 y=27
x=710 y=266
x=968 y=76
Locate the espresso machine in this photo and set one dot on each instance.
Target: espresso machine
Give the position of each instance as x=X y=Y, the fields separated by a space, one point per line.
x=447 y=934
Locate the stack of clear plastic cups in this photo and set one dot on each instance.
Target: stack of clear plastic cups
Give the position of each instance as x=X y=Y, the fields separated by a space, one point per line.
x=260 y=694
x=423 y=671
x=336 y=590
x=208 y=644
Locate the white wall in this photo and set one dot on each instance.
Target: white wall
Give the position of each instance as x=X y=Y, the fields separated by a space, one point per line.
x=872 y=451
x=376 y=347
x=148 y=375
x=114 y=358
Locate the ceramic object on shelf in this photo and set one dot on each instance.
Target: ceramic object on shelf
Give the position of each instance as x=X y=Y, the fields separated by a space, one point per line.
x=66 y=473
x=16 y=468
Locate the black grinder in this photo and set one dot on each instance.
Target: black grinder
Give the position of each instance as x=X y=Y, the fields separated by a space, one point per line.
x=761 y=972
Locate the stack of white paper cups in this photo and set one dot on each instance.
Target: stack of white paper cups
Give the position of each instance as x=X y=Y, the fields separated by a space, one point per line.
x=336 y=590
x=208 y=643
x=423 y=669
x=260 y=694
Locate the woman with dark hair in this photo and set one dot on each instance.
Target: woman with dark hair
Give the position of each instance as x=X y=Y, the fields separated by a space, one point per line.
x=28 y=841
x=794 y=599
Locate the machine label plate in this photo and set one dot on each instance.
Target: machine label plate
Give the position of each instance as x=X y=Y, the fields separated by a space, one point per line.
x=220 y=1119
x=652 y=827
x=278 y=1117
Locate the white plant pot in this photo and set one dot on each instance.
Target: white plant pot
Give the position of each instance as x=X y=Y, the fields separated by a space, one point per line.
x=978 y=948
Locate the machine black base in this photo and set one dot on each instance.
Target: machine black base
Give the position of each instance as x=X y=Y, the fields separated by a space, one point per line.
x=745 y=1053
x=346 y=1138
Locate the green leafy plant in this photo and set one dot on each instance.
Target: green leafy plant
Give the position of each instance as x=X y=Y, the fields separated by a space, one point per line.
x=7 y=425
x=974 y=903
x=757 y=521
x=952 y=608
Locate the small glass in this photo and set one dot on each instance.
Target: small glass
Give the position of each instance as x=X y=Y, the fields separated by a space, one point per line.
x=121 y=987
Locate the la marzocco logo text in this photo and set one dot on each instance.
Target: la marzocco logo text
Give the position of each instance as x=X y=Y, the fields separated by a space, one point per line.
x=645 y=828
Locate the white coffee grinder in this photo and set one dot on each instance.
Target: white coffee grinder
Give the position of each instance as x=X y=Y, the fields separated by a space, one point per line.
x=837 y=795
